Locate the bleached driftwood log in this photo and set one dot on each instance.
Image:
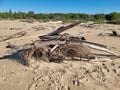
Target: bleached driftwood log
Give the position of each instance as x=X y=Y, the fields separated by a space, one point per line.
x=114 y=33
x=16 y=35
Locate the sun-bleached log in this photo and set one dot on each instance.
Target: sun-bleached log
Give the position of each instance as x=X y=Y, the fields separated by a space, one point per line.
x=35 y=44
x=101 y=49
x=114 y=33
x=16 y=35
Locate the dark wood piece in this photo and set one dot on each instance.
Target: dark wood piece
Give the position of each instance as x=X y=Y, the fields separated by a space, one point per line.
x=62 y=28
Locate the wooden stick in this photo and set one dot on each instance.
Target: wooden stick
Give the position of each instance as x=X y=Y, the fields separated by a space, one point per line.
x=93 y=43
x=53 y=49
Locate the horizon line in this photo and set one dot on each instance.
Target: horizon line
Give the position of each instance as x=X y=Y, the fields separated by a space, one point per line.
x=56 y=12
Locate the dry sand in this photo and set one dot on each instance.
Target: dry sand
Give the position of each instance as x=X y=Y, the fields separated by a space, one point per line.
x=99 y=74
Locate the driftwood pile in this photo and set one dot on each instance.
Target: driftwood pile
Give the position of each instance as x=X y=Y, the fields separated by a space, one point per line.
x=56 y=47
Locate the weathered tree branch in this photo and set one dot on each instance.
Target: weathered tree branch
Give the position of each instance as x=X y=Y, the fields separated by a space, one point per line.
x=62 y=28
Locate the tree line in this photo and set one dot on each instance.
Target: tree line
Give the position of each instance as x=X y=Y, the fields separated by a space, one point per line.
x=65 y=17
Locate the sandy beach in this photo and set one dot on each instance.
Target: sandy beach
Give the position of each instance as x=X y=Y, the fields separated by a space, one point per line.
x=101 y=73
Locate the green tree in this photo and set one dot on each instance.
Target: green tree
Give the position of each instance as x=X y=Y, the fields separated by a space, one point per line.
x=41 y=16
x=84 y=17
x=5 y=15
x=99 y=16
x=113 y=16
x=20 y=15
x=31 y=14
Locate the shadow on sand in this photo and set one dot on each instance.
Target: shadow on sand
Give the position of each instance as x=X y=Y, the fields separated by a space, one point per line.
x=15 y=56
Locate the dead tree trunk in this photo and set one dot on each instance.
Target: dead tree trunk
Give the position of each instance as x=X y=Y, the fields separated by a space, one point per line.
x=63 y=28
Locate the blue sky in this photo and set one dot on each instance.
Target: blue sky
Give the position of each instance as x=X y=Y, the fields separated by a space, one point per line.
x=61 y=6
